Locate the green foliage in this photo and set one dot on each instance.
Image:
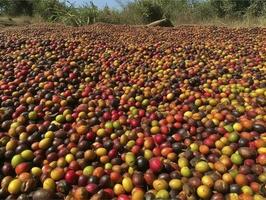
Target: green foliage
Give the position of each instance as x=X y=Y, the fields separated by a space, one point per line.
x=4 y=4
x=202 y=11
x=108 y=15
x=49 y=10
x=257 y=8
x=150 y=10
x=236 y=8
x=218 y=7
x=137 y=11
x=131 y=14
x=77 y=16
x=173 y=8
x=16 y=8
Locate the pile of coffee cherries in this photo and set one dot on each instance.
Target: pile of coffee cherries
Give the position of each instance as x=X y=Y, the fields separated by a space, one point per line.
x=121 y=112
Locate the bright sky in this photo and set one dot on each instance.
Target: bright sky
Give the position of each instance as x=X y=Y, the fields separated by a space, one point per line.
x=99 y=3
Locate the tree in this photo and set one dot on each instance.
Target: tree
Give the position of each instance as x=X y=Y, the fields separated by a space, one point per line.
x=218 y=7
x=16 y=8
x=150 y=10
x=203 y=11
x=236 y=8
x=4 y=4
x=173 y=7
x=230 y=8
x=257 y=8
x=49 y=9
x=108 y=15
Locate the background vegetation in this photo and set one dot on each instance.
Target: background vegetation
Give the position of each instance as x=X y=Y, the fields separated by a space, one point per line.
x=224 y=12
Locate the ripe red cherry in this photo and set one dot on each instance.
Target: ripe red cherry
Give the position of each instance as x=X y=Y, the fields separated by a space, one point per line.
x=123 y=197
x=261 y=159
x=135 y=149
x=159 y=138
x=153 y=116
x=140 y=141
x=177 y=137
x=141 y=113
x=107 y=115
x=209 y=142
x=134 y=123
x=156 y=151
x=92 y=188
x=71 y=177
x=112 y=153
x=155 y=164
x=178 y=117
x=115 y=116
x=72 y=75
x=249 y=162
x=110 y=192
x=90 y=136
x=164 y=130
x=74 y=165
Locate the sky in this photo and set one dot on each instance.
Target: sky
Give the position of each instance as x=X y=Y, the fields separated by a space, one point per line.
x=98 y=3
